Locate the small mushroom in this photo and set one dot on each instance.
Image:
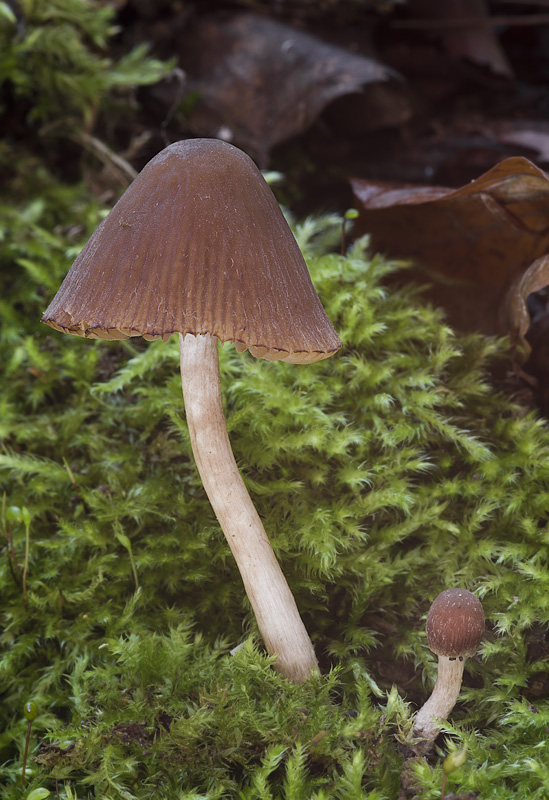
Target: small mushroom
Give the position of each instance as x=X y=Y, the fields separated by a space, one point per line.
x=198 y=245
x=455 y=627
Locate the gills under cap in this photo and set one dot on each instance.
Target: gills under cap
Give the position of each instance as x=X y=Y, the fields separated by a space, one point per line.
x=197 y=244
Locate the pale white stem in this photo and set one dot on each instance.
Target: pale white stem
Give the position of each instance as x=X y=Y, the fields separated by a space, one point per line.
x=274 y=606
x=442 y=700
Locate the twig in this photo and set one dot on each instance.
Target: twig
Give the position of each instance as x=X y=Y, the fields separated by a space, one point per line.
x=107 y=156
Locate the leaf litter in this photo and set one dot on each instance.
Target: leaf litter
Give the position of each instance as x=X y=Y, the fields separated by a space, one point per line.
x=484 y=247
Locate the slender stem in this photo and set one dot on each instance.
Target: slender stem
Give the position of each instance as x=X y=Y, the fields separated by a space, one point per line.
x=26 y=754
x=442 y=700
x=10 y=549
x=26 y=563
x=443 y=787
x=274 y=606
x=10 y=552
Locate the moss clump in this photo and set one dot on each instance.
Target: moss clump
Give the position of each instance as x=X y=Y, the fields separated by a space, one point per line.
x=383 y=475
x=55 y=65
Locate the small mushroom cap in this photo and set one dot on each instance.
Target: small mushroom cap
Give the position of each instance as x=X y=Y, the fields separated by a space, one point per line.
x=455 y=624
x=197 y=244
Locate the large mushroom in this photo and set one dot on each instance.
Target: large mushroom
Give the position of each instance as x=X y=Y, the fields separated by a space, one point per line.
x=198 y=245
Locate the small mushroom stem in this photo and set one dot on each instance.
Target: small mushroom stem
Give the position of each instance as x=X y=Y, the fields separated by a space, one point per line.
x=442 y=700
x=274 y=606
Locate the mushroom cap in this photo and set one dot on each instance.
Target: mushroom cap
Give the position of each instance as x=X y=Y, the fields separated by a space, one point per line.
x=455 y=624
x=197 y=244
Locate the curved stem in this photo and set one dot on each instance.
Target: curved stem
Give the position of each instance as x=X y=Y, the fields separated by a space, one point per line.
x=442 y=700
x=274 y=606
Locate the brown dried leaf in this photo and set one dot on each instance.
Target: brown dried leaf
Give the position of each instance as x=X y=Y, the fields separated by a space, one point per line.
x=464 y=31
x=261 y=82
x=474 y=242
x=516 y=314
x=528 y=134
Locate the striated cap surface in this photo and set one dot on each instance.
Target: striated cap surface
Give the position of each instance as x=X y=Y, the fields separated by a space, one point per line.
x=197 y=244
x=455 y=623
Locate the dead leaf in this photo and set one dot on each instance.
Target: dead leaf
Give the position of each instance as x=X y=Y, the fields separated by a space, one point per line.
x=472 y=243
x=260 y=82
x=464 y=31
x=516 y=314
x=530 y=134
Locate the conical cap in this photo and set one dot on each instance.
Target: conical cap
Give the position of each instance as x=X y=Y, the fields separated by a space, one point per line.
x=197 y=244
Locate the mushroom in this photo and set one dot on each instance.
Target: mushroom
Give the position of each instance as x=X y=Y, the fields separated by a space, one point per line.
x=455 y=627
x=198 y=245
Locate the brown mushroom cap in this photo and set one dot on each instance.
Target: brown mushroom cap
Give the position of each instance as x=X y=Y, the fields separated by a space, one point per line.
x=197 y=244
x=455 y=624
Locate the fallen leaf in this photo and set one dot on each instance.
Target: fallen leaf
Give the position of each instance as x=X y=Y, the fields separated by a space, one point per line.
x=516 y=313
x=472 y=243
x=260 y=82
x=531 y=134
x=463 y=28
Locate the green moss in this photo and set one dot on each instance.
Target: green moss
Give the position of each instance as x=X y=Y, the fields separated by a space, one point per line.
x=54 y=59
x=383 y=475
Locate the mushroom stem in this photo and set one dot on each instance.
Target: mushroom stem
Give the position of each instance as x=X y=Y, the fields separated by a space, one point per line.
x=274 y=606
x=443 y=698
